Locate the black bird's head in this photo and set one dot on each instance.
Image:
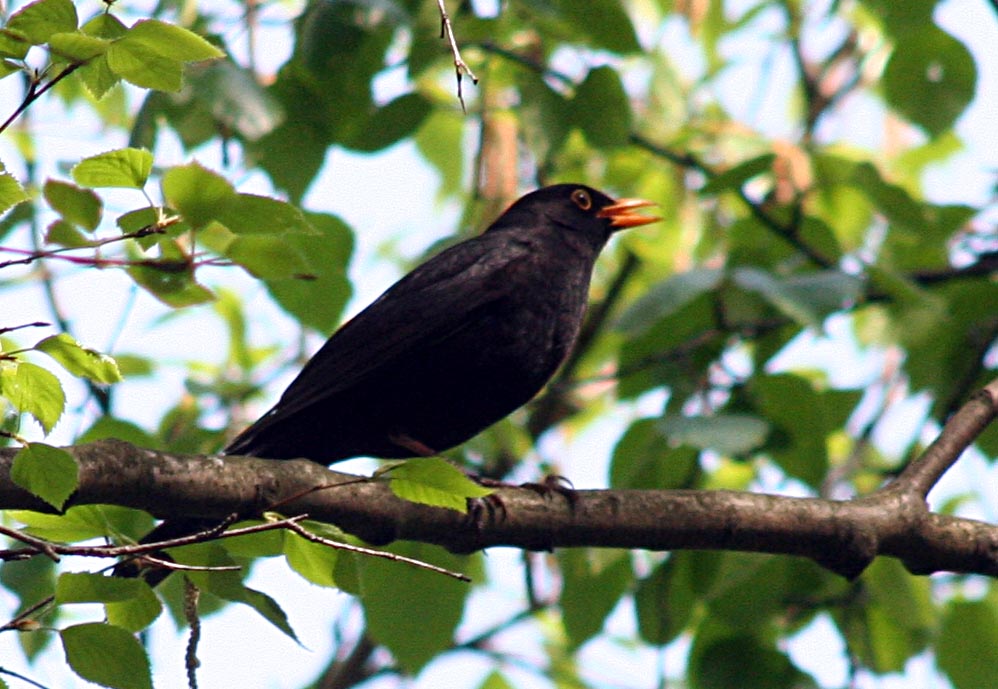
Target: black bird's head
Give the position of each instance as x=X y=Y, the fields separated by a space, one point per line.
x=576 y=208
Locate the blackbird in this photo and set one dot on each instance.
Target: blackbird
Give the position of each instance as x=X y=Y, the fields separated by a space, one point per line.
x=454 y=346
x=459 y=343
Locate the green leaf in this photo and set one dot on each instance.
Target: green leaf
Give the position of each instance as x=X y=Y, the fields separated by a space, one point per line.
x=318 y=303
x=172 y=282
x=196 y=193
x=603 y=23
x=139 y=64
x=129 y=603
x=33 y=390
x=433 y=481
x=228 y=584
x=48 y=472
x=930 y=78
x=808 y=298
x=315 y=562
x=645 y=458
x=79 y=360
x=593 y=580
x=602 y=109
x=13 y=44
x=62 y=233
x=11 y=192
x=390 y=124
x=78 y=523
x=81 y=207
x=743 y=661
x=7 y=67
x=77 y=46
x=802 y=419
x=736 y=177
x=171 y=41
x=268 y=257
x=413 y=612
x=666 y=599
x=107 y=655
x=125 y=167
x=967 y=649
x=39 y=20
x=252 y=214
x=729 y=434
x=667 y=297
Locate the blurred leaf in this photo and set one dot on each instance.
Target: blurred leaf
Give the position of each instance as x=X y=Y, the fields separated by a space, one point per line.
x=967 y=649
x=172 y=282
x=32 y=390
x=48 y=472
x=807 y=298
x=666 y=297
x=107 y=655
x=602 y=109
x=39 y=20
x=268 y=257
x=433 y=481
x=735 y=178
x=593 y=580
x=252 y=214
x=129 y=603
x=645 y=458
x=112 y=427
x=11 y=192
x=318 y=302
x=389 y=124
x=125 y=167
x=414 y=612
x=603 y=23
x=666 y=599
x=930 y=78
x=743 y=661
x=729 y=434
x=196 y=192
x=77 y=46
x=802 y=419
x=79 y=360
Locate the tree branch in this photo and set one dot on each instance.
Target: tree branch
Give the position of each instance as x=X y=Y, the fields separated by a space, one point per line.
x=843 y=536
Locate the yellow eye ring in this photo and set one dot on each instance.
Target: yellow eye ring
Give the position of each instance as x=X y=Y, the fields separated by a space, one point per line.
x=581 y=198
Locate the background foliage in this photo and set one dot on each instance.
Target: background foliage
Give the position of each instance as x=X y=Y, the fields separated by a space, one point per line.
x=819 y=296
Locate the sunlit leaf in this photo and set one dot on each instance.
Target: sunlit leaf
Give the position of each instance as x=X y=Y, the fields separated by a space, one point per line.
x=433 y=481
x=33 y=390
x=48 y=472
x=107 y=655
x=125 y=167
x=80 y=360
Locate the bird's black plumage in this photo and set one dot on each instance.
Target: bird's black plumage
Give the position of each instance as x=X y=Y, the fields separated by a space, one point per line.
x=454 y=346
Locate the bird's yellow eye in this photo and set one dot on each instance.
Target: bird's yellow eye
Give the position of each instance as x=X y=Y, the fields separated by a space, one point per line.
x=582 y=199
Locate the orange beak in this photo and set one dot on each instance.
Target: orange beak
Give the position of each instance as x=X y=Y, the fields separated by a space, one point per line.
x=621 y=216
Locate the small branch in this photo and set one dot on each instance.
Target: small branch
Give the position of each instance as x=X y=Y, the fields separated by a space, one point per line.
x=32 y=256
x=34 y=92
x=460 y=67
x=959 y=432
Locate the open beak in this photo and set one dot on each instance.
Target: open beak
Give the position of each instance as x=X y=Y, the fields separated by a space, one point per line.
x=621 y=214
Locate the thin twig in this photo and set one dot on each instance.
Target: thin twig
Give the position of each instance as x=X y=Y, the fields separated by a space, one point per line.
x=959 y=432
x=34 y=92
x=460 y=66
x=293 y=525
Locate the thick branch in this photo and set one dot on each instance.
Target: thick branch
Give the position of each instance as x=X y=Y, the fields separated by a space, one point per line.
x=843 y=536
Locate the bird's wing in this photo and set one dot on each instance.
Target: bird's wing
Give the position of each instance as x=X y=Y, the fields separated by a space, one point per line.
x=426 y=306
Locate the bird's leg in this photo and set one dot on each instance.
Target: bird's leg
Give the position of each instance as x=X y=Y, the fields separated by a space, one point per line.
x=418 y=448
